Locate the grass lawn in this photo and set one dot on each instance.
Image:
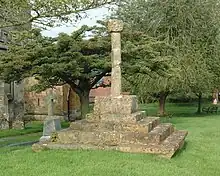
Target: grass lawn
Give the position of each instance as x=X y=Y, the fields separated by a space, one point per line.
x=20 y=139
x=32 y=127
x=200 y=156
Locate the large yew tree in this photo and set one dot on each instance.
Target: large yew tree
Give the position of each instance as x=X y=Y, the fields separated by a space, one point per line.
x=77 y=59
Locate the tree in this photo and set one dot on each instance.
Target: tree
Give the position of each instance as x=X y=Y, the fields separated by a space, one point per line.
x=148 y=62
x=46 y=12
x=68 y=59
x=197 y=78
x=191 y=27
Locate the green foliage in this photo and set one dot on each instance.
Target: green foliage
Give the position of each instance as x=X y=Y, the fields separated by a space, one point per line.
x=144 y=54
x=77 y=59
x=191 y=28
x=147 y=61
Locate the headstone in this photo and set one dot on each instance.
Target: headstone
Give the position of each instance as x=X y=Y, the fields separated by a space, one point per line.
x=51 y=123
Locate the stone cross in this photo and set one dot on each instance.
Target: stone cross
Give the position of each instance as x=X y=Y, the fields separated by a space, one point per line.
x=115 y=27
x=51 y=123
x=50 y=103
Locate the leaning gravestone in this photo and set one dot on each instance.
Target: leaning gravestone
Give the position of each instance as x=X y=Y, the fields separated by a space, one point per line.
x=51 y=123
x=116 y=122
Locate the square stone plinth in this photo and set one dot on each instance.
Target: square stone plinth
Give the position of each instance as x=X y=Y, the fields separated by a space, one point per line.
x=124 y=104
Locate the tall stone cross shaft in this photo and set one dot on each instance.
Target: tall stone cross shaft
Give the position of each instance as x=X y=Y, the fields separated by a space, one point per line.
x=115 y=27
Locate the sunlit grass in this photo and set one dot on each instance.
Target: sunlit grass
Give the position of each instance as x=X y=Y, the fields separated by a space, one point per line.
x=200 y=156
x=32 y=127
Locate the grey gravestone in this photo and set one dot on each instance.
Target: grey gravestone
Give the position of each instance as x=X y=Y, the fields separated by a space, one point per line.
x=50 y=126
x=51 y=123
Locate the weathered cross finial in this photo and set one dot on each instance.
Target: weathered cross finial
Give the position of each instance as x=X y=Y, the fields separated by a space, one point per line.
x=115 y=27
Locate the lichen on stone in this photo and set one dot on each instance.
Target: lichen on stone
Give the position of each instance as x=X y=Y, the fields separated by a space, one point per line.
x=54 y=137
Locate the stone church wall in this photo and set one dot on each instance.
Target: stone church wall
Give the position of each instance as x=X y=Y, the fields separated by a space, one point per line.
x=66 y=102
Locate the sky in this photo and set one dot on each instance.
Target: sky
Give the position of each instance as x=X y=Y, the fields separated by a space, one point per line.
x=93 y=16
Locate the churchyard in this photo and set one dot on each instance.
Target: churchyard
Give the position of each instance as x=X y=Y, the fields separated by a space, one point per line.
x=160 y=113
x=199 y=156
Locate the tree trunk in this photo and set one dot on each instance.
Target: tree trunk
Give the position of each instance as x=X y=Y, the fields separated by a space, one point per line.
x=68 y=104
x=162 y=101
x=84 y=101
x=199 y=102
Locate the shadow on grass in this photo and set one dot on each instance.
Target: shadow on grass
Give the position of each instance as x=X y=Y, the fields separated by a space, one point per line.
x=193 y=114
x=179 y=152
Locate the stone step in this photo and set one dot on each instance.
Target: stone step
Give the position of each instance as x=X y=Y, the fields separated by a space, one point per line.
x=88 y=137
x=160 y=133
x=173 y=143
x=143 y=126
x=37 y=147
x=167 y=148
x=110 y=138
x=149 y=123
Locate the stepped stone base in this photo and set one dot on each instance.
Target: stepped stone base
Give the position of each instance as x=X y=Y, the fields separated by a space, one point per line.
x=118 y=129
x=166 y=149
x=146 y=136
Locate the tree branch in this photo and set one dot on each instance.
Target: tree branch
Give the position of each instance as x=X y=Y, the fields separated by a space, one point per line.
x=54 y=14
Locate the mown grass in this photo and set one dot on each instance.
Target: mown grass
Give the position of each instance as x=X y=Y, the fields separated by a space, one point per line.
x=200 y=156
x=176 y=110
x=32 y=127
x=20 y=139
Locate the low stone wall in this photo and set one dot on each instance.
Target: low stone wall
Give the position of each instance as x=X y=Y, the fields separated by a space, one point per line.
x=73 y=115
x=40 y=117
